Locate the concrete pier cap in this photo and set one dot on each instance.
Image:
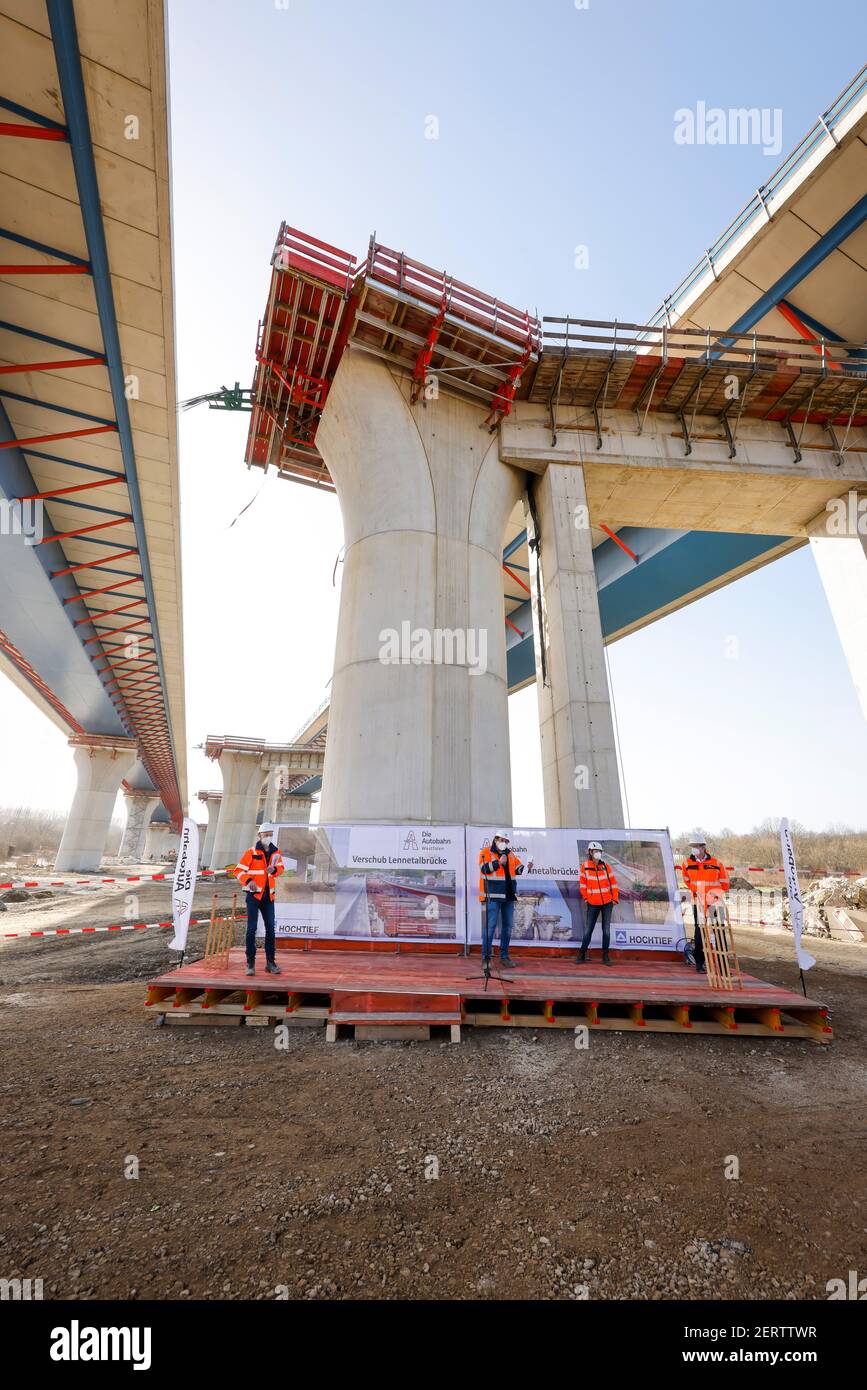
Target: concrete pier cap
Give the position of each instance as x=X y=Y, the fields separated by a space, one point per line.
x=420 y=663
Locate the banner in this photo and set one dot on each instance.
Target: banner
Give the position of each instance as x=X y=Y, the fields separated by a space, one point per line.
x=371 y=882
x=796 y=902
x=184 y=883
x=549 y=910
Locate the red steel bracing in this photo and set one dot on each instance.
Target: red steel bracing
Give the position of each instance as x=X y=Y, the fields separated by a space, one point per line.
x=423 y=361
x=32 y=132
x=52 y=366
x=617 y=541
x=505 y=394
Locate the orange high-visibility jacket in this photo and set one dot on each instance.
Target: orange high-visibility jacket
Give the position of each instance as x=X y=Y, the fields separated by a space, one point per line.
x=254 y=868
x=492 y=881
x=706 y=879
x=598 y=884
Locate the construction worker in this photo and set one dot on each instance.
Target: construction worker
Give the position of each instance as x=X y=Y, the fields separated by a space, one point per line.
x=706 y=880
x=600 y=891
x=258 y=870
x=499 y=869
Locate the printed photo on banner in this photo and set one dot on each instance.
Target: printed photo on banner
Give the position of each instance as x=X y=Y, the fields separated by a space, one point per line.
x=372 y=882
x=550 y=904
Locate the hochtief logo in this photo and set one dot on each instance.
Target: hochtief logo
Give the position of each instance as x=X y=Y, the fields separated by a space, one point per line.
x=76 y=1343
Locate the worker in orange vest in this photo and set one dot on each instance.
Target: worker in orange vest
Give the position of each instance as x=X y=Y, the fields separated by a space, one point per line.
x=707 y=880
x=258 y=870
x=499 y=868
x=600 y=891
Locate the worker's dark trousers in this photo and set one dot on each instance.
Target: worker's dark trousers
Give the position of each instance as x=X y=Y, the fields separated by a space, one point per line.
x=593 y=911
x=494 y=910
x=714 y=914
x=254 y=907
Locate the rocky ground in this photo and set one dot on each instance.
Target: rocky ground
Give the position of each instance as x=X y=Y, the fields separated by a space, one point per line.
x=144 y=1162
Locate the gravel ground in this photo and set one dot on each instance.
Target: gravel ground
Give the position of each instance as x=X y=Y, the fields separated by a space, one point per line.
x=513 y=1166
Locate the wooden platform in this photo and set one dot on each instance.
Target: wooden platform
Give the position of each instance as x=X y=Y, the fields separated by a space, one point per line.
x=379 y=991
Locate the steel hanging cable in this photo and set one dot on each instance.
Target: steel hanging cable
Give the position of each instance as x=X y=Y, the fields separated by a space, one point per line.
x=617 y=739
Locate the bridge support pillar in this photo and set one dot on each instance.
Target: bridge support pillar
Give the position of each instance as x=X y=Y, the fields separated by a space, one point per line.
x=293 y=810
x=418 y=728
x=157 y=842
x=101 y=764
x=243 y=775
x=579 y=756
x=838 y=540
x=140 y=806
x=213 y=801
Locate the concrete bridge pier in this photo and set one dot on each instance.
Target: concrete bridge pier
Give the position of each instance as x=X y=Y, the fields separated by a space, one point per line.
x=293 y=810
x=579 y=755
x=212 y=801
x=102 y=762
x=418 y=728
x=157 y=842
x=242 y=784
x=838 y=540
x=140 y=806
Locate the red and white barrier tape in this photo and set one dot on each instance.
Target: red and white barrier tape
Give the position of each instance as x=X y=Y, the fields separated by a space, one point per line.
x=77 y=882
x=121 y=926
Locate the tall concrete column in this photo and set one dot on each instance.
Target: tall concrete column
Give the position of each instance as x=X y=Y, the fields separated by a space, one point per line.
x=579 y=757
x=838 y=540
x=242 y=783
x=140 y=806
x=156 y=844
x=101 y=763
x=272 y=792
x=293 y=810
x=418 y=725
x=212 y=801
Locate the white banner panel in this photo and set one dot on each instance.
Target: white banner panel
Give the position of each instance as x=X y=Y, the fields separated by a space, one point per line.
x=184 y=883
x=549 y=910
x=372 y=882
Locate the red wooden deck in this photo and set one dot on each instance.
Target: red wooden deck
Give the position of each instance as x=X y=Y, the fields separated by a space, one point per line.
x=357 y=987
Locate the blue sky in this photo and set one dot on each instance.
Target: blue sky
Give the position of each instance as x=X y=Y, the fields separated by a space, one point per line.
x=555 y=130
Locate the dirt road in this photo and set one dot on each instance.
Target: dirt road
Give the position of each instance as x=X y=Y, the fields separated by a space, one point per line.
x=510 y=1166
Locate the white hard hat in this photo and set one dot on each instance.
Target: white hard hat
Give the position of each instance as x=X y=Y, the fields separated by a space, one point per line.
x=694 y=844
x=266 y=829
x=594 y=844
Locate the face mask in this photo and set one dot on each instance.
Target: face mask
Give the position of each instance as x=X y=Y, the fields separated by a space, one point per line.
x=596 y=854
x=265 y=841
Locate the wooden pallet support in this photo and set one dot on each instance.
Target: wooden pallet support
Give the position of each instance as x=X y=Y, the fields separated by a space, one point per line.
x=504 y=1011
x=771 y=1019
x=184 y=996
x=636 y=1013
x=725 y=1016
x=157 y=993
x=591 y=1011
x=680 y=1014
x=253 y=1000
x=548 y=1011
x=817 y=1019
x=214 y=996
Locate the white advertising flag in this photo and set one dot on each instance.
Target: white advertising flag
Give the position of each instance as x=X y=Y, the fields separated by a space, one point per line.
x=184 y=884
x=796 y=902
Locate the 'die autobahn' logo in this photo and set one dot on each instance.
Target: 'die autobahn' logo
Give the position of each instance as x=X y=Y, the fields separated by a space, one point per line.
x=429 y=841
